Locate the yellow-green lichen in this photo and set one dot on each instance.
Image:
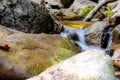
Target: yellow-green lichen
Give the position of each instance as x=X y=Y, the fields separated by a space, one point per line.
x=35 y=69
x=61 y=55
x=109 y=11
x=69 y=46
x=86 y=11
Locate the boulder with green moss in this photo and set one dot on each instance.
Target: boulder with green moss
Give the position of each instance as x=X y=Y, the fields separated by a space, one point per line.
x=30 y=54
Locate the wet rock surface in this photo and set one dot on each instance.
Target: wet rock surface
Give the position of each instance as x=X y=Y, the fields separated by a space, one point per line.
x=100 y=68
x=99 y=34
x=25 y=16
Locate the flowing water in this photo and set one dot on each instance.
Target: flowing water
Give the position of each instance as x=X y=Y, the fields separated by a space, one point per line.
x=80 y=33
x=81 y=37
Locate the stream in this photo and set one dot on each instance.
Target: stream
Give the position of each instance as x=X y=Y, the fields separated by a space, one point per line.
x=77 y=35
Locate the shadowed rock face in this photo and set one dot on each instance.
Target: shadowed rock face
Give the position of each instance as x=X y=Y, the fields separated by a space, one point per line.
x=25 y=16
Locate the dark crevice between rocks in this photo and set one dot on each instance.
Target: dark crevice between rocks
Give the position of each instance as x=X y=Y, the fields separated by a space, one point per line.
x=106 y=36
x=67 y=4
x=95 y=1
x=110 y=52
x=55 y=7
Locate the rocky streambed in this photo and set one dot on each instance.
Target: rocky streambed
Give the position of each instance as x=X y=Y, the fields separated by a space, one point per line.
x=47 y=40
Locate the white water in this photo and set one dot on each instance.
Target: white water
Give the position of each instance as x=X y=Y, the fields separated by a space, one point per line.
x=81 y=35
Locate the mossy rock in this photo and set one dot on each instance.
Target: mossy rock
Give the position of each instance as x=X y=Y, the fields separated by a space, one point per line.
x=35 y=52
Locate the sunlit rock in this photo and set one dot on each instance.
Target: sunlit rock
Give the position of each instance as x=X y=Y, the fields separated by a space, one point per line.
x=89 y=65
x=31 y=53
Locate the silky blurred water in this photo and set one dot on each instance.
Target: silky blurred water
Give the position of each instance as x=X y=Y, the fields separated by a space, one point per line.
x=81 y=37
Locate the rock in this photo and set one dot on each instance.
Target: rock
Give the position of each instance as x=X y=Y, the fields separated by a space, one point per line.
x=59 y=3
x=26 y=16
x=88 y=65
x=76 y=10
x=79 y=5
x=33 y=53
x=116 y=55
x=54 y=4
x=115 y=6
x=99 y=34
x=59 y=27
x=116 y=58
x=116 y=35
x=37 y=1
x=8 y=69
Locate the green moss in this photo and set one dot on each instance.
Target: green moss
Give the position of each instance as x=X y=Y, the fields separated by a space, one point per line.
x=61 y=55
x=69 y=46
x=109 y=11
x=86 y=11
x=35 y=69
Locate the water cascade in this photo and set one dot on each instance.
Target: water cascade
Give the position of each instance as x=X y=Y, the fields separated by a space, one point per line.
x=79 y=37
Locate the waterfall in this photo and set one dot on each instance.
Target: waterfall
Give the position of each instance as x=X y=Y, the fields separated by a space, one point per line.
x=81 y=37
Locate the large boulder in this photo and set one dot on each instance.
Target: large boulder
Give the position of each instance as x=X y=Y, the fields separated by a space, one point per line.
x=26 y=16
x=24 y=54
x=88 y=65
